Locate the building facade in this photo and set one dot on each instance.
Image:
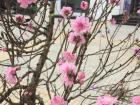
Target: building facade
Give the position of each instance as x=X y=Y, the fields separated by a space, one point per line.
x=131 y=6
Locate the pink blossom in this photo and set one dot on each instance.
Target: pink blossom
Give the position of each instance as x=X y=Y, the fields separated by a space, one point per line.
x=68 y=71
x=30 y=93
x=81 y=77
x=69 y=56
x=138 y=11
x=77 y=39
x=26 y=3
x=45 y=1
x=114 y=2
x=19 y=18
x=23 y=3
x=26 y=93
x=117 y=2
x=58 y=100
x=81 y=24
x=93 y=87
x=136 y=51
x=33 y=1
x=66 y=11
x=30 y=26
x=106 y=100
x=66 y=67
x=10 y=74
x=84 y=5
x=136 y=100
x=81 y=82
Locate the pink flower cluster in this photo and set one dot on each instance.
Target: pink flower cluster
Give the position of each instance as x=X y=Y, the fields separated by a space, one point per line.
x=136 y=100
x=21 y=19
x=26 y=3
x=58 y=100
x=138 y=11
x=80 y=26
x=84 y=5
x=68 y=70
x=66 y=11
x=10 y=74
x=106 y=100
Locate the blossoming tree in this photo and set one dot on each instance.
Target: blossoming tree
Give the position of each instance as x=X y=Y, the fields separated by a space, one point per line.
x=65 y=61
